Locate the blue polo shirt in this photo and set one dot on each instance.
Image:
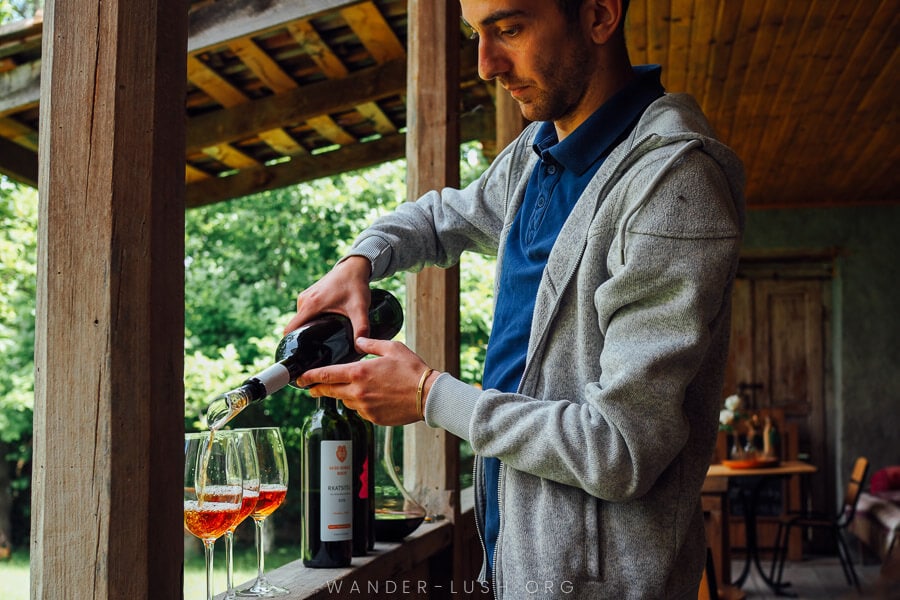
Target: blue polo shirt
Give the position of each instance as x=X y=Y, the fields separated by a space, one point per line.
x=556 y=183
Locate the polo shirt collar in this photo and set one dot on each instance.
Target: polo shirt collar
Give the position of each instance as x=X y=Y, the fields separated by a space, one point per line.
x=596 y=137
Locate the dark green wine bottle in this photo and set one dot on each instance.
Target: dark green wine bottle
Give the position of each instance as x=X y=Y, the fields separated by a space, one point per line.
x=326 y=484
x=361 y=498
x=326 y=340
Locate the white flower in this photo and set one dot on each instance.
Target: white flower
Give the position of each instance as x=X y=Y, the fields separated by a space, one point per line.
x=726 y=417
x=733 y=402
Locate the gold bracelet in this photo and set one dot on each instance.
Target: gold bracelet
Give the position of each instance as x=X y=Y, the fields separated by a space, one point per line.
x=420 y=409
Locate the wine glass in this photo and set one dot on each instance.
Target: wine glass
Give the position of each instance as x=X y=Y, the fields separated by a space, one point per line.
x=273 y=479
x=250 y=470
x=213 y=491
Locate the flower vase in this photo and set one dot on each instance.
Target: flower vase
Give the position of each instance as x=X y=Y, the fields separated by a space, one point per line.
x=736 y=451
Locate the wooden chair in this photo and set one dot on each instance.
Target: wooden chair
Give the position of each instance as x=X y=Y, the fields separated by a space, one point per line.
x=835 y=524
x=708 y=588
x=709 y=585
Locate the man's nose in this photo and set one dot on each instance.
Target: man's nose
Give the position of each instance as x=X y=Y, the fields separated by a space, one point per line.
x=492 y=60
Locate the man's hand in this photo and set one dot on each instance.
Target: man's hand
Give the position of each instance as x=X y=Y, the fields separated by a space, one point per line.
x=343 y=290
x=381 y=389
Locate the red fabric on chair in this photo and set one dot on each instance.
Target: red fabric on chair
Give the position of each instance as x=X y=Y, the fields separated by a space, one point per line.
x=885 y=479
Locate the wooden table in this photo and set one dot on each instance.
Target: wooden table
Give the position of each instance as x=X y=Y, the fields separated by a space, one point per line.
x=750 y=499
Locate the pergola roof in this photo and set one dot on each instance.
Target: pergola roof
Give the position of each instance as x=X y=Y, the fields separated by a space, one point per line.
x=286 y=91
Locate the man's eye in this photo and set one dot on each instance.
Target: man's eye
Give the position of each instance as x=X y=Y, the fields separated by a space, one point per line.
x=510 y=31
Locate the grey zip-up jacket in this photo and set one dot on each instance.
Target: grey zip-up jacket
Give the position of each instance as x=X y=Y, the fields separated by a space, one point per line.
x=606 y=444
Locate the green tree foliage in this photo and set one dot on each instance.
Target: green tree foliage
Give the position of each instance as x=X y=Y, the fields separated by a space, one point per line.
x=14 y=10
x=18 y=241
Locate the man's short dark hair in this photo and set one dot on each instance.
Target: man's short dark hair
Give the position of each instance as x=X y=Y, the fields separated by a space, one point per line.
x=571 y=8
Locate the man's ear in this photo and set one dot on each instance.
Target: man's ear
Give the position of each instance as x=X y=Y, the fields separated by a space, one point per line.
x=604 y=18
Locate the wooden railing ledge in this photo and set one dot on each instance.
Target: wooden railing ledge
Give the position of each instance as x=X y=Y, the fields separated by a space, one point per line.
x=391 y=569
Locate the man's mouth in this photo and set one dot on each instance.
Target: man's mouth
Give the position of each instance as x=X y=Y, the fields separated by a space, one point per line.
x=516 y=90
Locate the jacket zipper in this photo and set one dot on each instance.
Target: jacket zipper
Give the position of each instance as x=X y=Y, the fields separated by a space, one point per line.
x=499 y=528
x=479 y=528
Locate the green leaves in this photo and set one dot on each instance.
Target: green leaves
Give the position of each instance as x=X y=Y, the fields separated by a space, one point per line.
x=18 y=249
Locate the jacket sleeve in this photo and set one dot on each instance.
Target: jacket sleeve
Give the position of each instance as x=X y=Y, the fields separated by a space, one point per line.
x=439 y=226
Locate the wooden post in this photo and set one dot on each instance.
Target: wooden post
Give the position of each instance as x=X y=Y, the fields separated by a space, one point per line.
x=510 y=121
x=109 y=397
x=431 y=456
x=432 y=150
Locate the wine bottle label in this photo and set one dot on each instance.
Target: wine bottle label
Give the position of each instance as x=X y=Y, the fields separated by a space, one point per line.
x=274 y=378
x=336 y=504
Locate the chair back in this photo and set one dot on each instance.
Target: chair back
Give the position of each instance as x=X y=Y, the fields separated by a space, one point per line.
x=708 y=588
x=853 y=491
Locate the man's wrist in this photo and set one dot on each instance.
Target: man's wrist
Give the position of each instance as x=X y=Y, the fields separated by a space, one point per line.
x=358 y=263
x=378 y=251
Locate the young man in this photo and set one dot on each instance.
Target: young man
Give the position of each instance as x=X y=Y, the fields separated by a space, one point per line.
x=616 y=218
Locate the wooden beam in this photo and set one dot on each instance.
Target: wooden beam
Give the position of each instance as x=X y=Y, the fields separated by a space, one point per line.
x=332 y=66
x=510 y=121
x=320 y=52
x=300 y=104
x=109 y=396
x=298 y=169
x=431 y=456
x=273 y=77
x=18 y=163
x=296 y=106
x=226 y=20
x=210 y=26
x=19 y=36
x=202 y=190
x=373 y=31
x=20 y=88
x=220 y=90
x=22 y=135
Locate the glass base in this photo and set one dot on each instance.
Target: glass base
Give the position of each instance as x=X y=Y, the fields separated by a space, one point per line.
x=261 y=591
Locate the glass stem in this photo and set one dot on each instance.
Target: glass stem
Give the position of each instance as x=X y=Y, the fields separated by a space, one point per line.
x=229 y=564
x=260 y=558
x=208 y=553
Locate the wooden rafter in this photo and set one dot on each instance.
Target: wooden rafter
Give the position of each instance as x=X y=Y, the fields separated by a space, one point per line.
x=272 y=76
x=473 y=126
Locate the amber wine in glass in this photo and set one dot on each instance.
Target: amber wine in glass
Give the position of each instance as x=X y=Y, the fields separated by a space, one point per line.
x=213 y=491
x=246 y=447
x=273 y=481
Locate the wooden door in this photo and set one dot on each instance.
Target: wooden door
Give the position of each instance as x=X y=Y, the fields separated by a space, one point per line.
x=777 y=358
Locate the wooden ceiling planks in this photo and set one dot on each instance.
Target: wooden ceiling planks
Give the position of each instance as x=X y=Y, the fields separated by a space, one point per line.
x=756 y=84
x=703 y=42
x=677 y=59
x=772 y=105
x=273 y=77
x=737 y=82
x=379 y=39
x=773 y=151
x=874 y=118
x=836 y=94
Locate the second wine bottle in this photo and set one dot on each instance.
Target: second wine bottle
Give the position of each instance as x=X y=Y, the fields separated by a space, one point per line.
x=326 y=488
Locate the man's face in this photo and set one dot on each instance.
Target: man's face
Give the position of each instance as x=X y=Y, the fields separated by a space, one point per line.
x=544 y=62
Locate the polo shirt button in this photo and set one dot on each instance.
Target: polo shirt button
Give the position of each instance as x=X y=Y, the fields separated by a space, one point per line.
x=541 y=201
x=551 y=169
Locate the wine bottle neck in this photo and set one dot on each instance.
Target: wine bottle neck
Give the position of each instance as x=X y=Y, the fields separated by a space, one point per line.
x=326 y=403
